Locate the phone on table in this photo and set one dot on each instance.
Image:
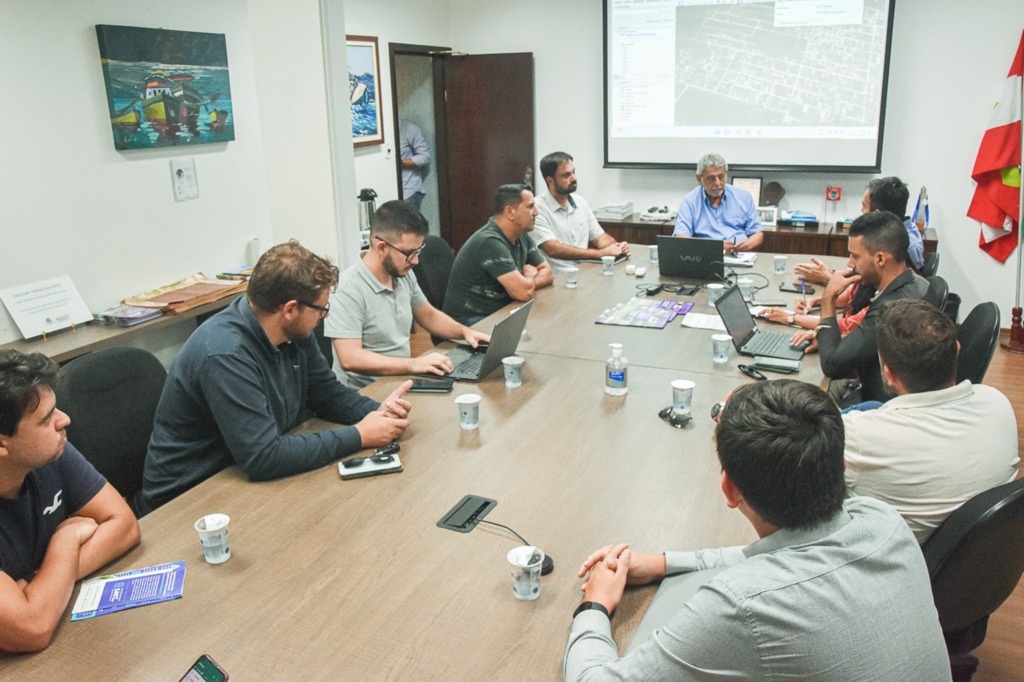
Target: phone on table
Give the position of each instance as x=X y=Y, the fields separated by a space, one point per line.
x=432 y=385
x=796 y=288
x=205 y=669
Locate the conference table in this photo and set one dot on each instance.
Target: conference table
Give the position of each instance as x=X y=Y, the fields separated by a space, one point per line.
x=333 y=579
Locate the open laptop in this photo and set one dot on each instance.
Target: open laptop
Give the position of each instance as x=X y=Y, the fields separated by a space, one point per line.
x=690 y=258
x=748 y=339
x=474 y=364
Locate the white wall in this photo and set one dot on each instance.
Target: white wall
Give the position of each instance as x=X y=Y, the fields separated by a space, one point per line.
x=948 y=61
x=71 y=203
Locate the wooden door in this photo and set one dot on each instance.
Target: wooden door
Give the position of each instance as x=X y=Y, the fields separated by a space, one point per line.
x=485 y=135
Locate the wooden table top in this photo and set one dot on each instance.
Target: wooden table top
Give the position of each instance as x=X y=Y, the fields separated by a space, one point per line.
x=333 y=579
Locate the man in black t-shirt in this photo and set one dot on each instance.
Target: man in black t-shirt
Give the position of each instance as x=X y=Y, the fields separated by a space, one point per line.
x=59 y=519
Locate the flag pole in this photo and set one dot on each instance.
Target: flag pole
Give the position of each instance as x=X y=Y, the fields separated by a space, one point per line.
x=1015 y=343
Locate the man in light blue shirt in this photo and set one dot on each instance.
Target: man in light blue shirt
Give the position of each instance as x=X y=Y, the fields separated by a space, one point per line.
x=716 y=210
x=833 y=589
x=891 y=194
x=415 y=156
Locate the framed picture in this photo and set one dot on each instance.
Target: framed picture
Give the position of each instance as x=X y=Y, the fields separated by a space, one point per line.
x=752 y=185
x=165 y=88
x=364 y=90
x=767 y=214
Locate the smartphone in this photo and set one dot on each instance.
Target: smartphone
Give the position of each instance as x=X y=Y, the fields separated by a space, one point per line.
x=795 y=288
x=432 y=385
x=361 y=467
x=205 y=669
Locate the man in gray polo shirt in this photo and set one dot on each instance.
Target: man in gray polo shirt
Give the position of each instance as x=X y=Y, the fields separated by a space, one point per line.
x=378 y=298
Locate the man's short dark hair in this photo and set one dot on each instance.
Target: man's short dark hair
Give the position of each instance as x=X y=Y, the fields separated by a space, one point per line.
x=781 y=443
x=289 y=272
x=882 y=231
x=889 y=194
x=550 y=164
x=395 y=218
x=917 y=341
x=509 y=195
x=21 y=376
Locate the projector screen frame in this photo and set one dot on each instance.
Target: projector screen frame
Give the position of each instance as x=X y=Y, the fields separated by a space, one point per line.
x=758 y=167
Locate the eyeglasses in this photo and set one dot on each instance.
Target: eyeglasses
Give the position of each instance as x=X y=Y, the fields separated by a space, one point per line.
x=674 y=418
x=324 y=310
x=409 y=255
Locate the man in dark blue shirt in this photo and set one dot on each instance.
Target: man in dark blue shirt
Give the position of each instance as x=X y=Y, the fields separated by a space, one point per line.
x=59 y=519
x=250 y=374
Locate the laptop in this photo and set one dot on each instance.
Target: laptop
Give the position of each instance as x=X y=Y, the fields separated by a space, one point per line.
x=691 y=258
x=474 y=364
x=748 y=339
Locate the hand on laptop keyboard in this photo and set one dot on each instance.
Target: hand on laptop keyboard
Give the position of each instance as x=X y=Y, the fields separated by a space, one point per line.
x=432 y=363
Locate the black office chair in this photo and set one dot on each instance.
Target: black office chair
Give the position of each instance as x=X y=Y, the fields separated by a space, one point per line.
x=432 y=272
x=975 y=560
x=111 y=396
x=978 y=336
x=325 y=344
x=938 y=292
x=931 y=265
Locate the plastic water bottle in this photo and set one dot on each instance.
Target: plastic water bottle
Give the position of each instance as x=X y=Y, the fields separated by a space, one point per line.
x=616 y=372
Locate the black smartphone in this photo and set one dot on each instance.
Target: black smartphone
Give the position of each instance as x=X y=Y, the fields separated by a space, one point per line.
x=205 y=669
x=432 y=385
x=795 y=288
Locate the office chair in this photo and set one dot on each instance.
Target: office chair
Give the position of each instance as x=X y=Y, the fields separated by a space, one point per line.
x=931 y=265
x=938 y=292
x=432 y=272
x=975 y=560
x=978 y=336
x=111 y=396
x=325 y=344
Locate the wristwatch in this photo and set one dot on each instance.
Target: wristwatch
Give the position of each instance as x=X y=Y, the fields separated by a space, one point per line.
x=588 y=605
x=789 y=320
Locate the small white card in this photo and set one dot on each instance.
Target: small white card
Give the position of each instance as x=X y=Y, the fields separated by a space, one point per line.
x=184 y=180
x=47 y=306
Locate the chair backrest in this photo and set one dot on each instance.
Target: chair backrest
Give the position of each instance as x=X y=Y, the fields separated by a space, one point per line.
x=324 y=343
x=978 y=336
x=433 y=269
x=976 y=557
x=111 y=396
x=938 y=292
x=931 y=265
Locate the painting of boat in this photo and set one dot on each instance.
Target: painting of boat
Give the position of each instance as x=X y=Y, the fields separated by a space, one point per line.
x=160 y=83
x=363 y=86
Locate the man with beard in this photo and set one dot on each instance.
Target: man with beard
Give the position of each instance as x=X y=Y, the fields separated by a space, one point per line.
x=566 y=229
x=378 y=298
x=878 y=259
x=252 y=373
x=717 y=210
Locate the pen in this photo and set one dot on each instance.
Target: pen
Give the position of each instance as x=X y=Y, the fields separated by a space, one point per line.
x=803 y=291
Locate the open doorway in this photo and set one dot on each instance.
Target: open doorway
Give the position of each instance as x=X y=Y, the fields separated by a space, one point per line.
x=412 y=76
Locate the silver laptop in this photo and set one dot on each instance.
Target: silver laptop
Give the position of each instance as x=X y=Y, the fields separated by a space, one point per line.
x=748 y=339
x=474 y=364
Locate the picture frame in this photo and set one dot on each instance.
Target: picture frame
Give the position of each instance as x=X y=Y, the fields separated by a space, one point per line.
x=768 y=215
x=750 y=184
x=364 y=90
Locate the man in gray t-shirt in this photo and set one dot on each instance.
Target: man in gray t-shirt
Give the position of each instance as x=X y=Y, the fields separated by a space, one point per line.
x=498 y=264
x=377 y=300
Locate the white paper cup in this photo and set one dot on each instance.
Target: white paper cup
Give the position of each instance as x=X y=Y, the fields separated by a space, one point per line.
x=525 y=563
x=652 y=252
x=608 y=263
x=746 y=288
x=469 y=411
x=779 y=265
x=513 y=366
x=213 y=536
x=720 y=348
x=572 y=277
x=682 y=396
x=715 y=291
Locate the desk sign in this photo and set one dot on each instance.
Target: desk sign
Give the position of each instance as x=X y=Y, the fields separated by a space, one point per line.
x=43 y=307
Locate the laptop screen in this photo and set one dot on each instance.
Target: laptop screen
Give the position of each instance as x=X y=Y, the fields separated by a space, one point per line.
x=690 y=258
x=736 y=316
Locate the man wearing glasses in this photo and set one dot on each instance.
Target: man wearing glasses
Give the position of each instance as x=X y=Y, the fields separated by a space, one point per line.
x=377 y=300
x=717 y=210
x=250 y=374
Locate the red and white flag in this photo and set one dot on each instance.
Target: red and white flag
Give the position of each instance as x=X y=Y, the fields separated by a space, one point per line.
x=996 y=201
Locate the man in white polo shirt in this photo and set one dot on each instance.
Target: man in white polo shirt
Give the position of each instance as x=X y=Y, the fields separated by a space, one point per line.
x=566 y=229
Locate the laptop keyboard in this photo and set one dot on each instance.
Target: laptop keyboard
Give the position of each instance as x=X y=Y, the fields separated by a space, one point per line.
x=768 y=343
x=470 y=366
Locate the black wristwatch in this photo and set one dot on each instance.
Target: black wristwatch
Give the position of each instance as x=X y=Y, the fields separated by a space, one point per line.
x=588 y=605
